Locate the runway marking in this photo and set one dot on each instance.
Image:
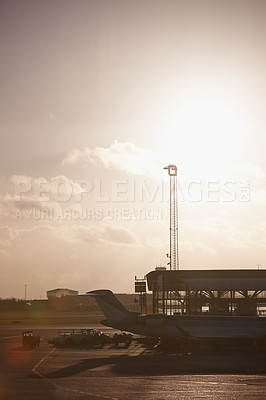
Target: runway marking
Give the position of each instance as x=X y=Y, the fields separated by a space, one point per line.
x=40 y=362
x=34 y=370
x=9 y=337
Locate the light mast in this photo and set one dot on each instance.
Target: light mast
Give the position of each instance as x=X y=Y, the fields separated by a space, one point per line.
x=174 y=256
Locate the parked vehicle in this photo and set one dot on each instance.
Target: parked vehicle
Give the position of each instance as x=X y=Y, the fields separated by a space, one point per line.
x=125 y=338
x=29 y=339
x=84 y=337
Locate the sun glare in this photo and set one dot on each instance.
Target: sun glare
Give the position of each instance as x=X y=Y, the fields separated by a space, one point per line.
x=208 y=126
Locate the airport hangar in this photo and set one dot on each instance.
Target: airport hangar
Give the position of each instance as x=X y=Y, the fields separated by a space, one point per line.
x=206 y=292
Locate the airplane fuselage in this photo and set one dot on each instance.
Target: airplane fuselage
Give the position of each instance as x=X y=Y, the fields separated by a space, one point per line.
x=177 y=326
x=195 y=326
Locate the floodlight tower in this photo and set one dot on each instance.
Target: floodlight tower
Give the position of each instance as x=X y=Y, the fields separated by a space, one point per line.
x=174 y=257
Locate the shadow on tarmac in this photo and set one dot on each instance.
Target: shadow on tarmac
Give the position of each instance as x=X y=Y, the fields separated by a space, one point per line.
x=167 y=364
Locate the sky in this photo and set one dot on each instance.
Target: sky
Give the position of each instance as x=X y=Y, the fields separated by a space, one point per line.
x=96 y=98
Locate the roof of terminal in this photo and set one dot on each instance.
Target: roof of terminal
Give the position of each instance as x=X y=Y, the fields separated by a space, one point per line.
x=226 y=279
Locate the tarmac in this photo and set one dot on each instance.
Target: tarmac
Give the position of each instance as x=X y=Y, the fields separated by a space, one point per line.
x=135 y=373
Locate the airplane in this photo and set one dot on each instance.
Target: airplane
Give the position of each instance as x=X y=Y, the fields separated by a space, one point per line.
x=169 y=327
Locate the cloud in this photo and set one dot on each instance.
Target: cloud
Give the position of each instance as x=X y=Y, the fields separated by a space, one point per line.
x=40 y=194
x=7 y=236
x=13 y=206
x=208 y=226
x=124 y=156
x=59 y=188
x=197 y=246
x=129 y=158
x=103 y=234
x=221 y=233
x=51 y=255
x=93 y=234
x=47 y=236
x=118 y=235
x=89 y=234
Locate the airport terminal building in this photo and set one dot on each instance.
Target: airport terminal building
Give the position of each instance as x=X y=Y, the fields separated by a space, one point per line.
x=196 y=292
x=213 y=292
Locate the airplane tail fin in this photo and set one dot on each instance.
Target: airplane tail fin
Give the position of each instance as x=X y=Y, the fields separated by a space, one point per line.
x=110 y=305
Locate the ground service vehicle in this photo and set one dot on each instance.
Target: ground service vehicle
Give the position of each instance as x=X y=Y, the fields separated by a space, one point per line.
x=125 y=338
x=84 y=337
x=30 y=340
